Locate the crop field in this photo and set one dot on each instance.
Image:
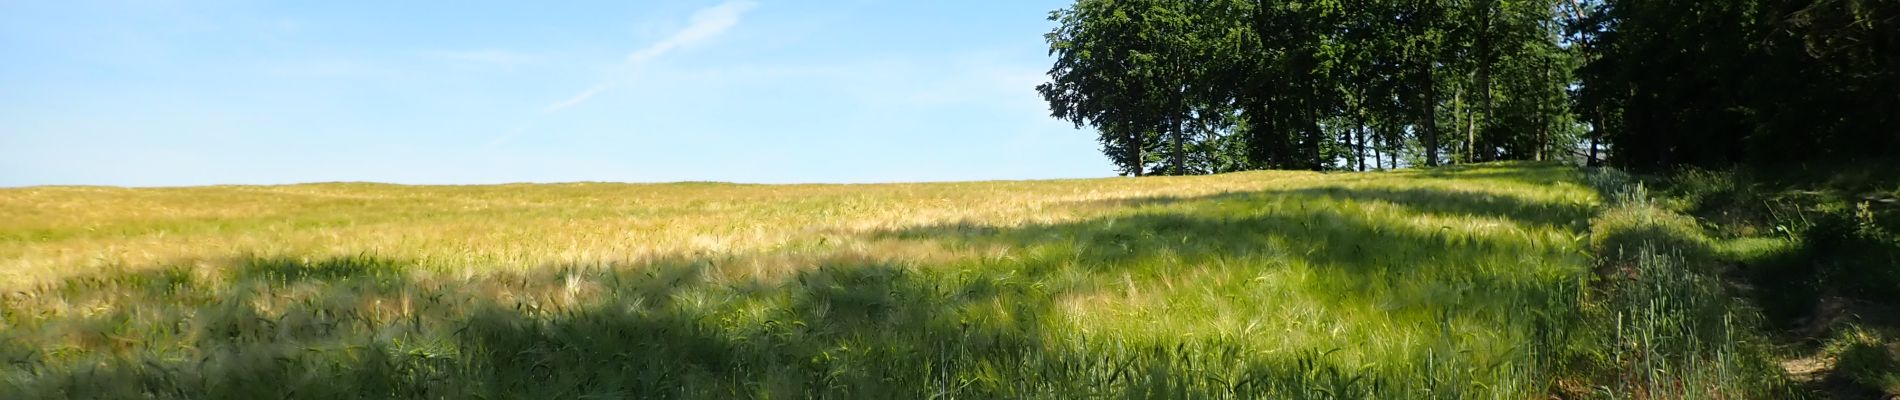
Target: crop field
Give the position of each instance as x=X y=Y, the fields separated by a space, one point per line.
x=1446 y=283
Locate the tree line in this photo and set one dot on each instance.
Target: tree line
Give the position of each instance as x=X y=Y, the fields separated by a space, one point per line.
x=1207 y=86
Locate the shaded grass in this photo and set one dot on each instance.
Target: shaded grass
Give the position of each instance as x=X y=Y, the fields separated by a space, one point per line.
x=1816 y=251
x=847 y=330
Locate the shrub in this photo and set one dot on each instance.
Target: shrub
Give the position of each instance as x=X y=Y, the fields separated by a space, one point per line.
x=1853 y=252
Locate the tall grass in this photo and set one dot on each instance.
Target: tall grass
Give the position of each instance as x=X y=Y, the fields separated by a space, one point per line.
x=1472 y=282
x=1815 y=249
x=1680 y=333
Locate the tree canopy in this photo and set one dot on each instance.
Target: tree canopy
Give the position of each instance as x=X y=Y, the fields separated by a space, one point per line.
x=1207 y=86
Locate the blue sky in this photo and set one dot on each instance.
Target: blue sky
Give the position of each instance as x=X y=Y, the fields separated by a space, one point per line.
x=163 y=93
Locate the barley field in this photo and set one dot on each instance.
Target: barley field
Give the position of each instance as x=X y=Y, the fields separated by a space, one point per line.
x=1447 y=283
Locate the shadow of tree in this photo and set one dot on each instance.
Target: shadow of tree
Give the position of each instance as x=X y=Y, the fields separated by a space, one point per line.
x=1333 y=228
x=1528 y=173
x=1468 y=203
x=841 y=330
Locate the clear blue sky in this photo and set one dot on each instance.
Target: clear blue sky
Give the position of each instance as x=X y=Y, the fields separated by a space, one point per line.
x=188 y=93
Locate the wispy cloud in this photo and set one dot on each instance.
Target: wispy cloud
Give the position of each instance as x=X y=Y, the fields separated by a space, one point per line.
x=705 y=24
x=580 y=97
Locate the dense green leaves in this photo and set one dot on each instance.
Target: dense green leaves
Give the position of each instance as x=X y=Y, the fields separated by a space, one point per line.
x=1202 y=86
x=1118 y=69
x=1705 y=82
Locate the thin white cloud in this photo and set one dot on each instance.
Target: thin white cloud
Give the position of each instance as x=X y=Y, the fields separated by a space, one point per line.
x=705 y=24
x=580 y=97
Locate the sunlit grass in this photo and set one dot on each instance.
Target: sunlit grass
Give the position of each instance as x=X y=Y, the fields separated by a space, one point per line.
x=1449 y=283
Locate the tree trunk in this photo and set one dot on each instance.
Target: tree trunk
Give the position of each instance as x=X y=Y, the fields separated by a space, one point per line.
x=1175 y=158
x=1485 y=59
x=1392 y=150
x=1359 y=150
x=1461 y=119
x=1471 y=134
x=1378 y=153
x=1263 y=140
x=1315 y=138
x=1351 y=144
x=1484 y=78
x=1428 y=119
x=1394 y=145
x=1208 y=145
x=1134 y=153
x=1180 y=154
x=1596 y=137
x=1543 y=117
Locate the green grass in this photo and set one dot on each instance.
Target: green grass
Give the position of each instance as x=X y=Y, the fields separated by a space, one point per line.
x=1819 y=251
x=1470 y=282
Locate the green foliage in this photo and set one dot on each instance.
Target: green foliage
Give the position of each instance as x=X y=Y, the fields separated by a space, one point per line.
x=1313 y=85
x=1124 y=67
x=1727 y=82
x=1659 y=84
x=1854 y=253
x=1813 y=243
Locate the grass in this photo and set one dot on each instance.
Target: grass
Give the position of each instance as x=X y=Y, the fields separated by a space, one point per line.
x=1817 y=250
x=1680 y=331
x=1467 y=282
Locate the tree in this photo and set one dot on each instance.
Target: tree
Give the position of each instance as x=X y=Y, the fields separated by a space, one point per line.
x=1127 y=68
x=1717 y=83
x=1222 y=84
x=1104 y=76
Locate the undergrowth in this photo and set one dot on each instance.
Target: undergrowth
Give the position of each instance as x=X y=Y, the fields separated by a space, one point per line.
x=1817 y=251
x=1679 y=332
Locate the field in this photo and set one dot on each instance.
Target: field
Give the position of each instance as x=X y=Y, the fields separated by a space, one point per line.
x=1473 y=282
